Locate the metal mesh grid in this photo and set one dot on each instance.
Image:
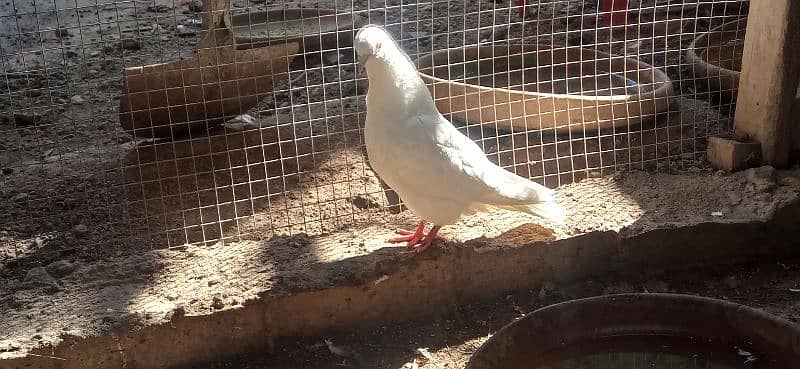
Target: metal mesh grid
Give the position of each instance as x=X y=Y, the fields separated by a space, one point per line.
x=75 y=182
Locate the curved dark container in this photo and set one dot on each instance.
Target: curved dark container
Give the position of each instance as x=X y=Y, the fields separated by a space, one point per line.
x=521 y=343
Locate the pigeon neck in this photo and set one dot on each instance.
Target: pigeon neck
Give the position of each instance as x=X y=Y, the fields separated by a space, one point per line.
x=397 y=87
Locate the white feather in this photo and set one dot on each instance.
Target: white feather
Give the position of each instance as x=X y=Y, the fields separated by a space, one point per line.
x=438 y=172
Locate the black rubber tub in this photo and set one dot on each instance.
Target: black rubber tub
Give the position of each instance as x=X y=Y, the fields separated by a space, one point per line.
x=632 y=331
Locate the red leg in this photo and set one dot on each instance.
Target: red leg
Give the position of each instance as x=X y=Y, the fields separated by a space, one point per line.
x=615 y=12
x=427 y=240
x=521 y=4
x=411 y=237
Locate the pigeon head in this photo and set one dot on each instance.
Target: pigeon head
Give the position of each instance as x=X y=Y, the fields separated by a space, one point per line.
x=372 y=41
x=393 y=78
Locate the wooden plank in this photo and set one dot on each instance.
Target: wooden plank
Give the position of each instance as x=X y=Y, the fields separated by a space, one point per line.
x=769 y=79
x=730 y=155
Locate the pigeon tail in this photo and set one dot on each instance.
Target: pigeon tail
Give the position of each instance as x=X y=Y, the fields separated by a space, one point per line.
x=550 y=210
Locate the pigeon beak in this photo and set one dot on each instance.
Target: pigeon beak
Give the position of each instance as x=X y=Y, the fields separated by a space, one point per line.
x=363 y=62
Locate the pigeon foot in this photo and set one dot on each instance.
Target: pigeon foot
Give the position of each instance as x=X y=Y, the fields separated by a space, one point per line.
x=412 y=238
x=426 y=241
x=417 y=240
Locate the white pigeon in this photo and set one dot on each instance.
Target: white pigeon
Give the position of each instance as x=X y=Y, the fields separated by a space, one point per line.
x=438 y=172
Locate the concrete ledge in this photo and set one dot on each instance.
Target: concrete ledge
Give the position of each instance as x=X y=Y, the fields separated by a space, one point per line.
x=384 y=286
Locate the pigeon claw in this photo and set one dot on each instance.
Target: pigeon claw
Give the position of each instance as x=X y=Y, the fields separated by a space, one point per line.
x=425 y=242
x=412 y=238
x=417 y=241
x=418 y=248
x=407 y=236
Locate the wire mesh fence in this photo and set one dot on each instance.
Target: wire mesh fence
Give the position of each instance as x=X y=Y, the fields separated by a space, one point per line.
x=255 y=129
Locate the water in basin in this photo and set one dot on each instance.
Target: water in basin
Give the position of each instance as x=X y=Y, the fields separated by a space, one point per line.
x=653 y=352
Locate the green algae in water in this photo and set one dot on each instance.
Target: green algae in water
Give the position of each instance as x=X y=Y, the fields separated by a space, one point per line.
x=652 y=352
x=638 y=360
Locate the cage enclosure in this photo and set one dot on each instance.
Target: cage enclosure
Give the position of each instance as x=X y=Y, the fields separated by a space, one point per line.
x=179 y=183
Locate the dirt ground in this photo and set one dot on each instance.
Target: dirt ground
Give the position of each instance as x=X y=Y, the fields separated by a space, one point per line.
x=448 y=340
